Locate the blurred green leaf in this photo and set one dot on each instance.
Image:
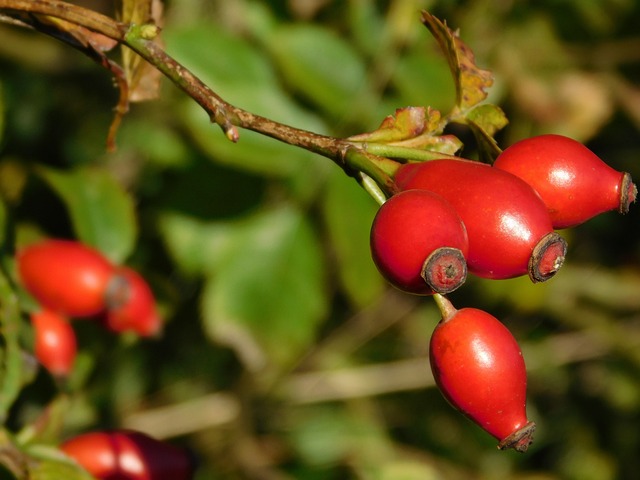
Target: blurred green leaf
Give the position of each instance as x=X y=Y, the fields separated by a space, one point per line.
x=103 y=214
x=12 y=372
x=254 y=152
x=52 y=469
x=422 y=78
x=366 y=25
x=243 y=76
x=196 y=246
x=2 y=121
x=348 y=212
x=267 y=294
x=3 y=222
x=325 y=435
x=323 y=67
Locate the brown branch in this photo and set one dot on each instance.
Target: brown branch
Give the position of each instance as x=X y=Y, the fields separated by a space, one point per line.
x=72 y=13
x=140 y=38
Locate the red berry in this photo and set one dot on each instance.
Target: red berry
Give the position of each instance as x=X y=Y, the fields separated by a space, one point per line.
x=55 y=342
x=478 y=366
x=574 y=182
x=419 y=243
x=510 y=232
x=128 y=455
x=131 y=304
x=65 y=276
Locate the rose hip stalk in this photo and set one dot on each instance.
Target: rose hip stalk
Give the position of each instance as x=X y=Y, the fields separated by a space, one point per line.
x=419 y=243
x=478 y=366
x=574 y=182
x=510 y=232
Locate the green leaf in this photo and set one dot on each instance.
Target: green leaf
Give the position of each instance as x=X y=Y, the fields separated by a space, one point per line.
x=254 y=152
x=408 y=122
x=244 y=77
x=485 y=121
x=102 y=213
x=3 y=222
x=422 y=77
x=51 y=469
x=348 y=212
x=471 y=81
x=1 y=113
x=324 y=68
x=12 y=371
x=267 y=294
x=196 y=246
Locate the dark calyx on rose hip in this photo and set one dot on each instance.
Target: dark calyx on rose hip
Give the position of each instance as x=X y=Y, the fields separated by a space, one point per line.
x=573 y=182
x=479 y=368
x=419 y=243
x=509 y=228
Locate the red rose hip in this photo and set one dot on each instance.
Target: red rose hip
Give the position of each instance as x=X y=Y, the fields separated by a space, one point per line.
x=419 y=243
x=574 y=183
x=128 y=455
x=131 y=304
x=510 y=232
x=478 y=366
x=55 y=344
x=65 y=276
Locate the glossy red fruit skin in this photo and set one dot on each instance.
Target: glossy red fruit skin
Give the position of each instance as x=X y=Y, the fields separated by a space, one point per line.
x=128 y=455
x=131 y=304
x=407 y=229
x=574 y=183
x=55 y=344
x=479 y=368
x=65 y=276
x=505 y=218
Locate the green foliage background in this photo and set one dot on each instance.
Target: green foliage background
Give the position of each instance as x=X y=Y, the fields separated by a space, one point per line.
x=285 y=355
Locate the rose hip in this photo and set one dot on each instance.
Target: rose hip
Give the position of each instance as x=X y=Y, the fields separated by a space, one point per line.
x=478 y=366
x=419 y=243
x=510 y=232
x=55 y=342
x=574 y=183
x=65 y=276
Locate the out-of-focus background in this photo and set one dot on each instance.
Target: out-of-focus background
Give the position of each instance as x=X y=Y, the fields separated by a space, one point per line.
x=285 y=355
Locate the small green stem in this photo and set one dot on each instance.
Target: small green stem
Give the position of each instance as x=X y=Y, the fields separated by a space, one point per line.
x=407 y=153
x=380 y=169
x=372 y=188
x=447 y=310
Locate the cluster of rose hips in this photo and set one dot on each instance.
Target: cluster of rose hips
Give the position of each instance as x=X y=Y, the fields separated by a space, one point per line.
x=453 y=216
x=71 y=280
x=128 y=455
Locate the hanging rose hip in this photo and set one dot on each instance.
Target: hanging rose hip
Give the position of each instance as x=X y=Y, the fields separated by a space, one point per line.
x=510 y=232
x=574 y=183
x=419 y=243
x=478 y=366
x=128 y=455
x=131 y=304
x=65 y=276
x=55 y=342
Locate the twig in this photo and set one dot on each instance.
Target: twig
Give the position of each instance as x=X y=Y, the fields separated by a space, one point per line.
x=140 y=38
